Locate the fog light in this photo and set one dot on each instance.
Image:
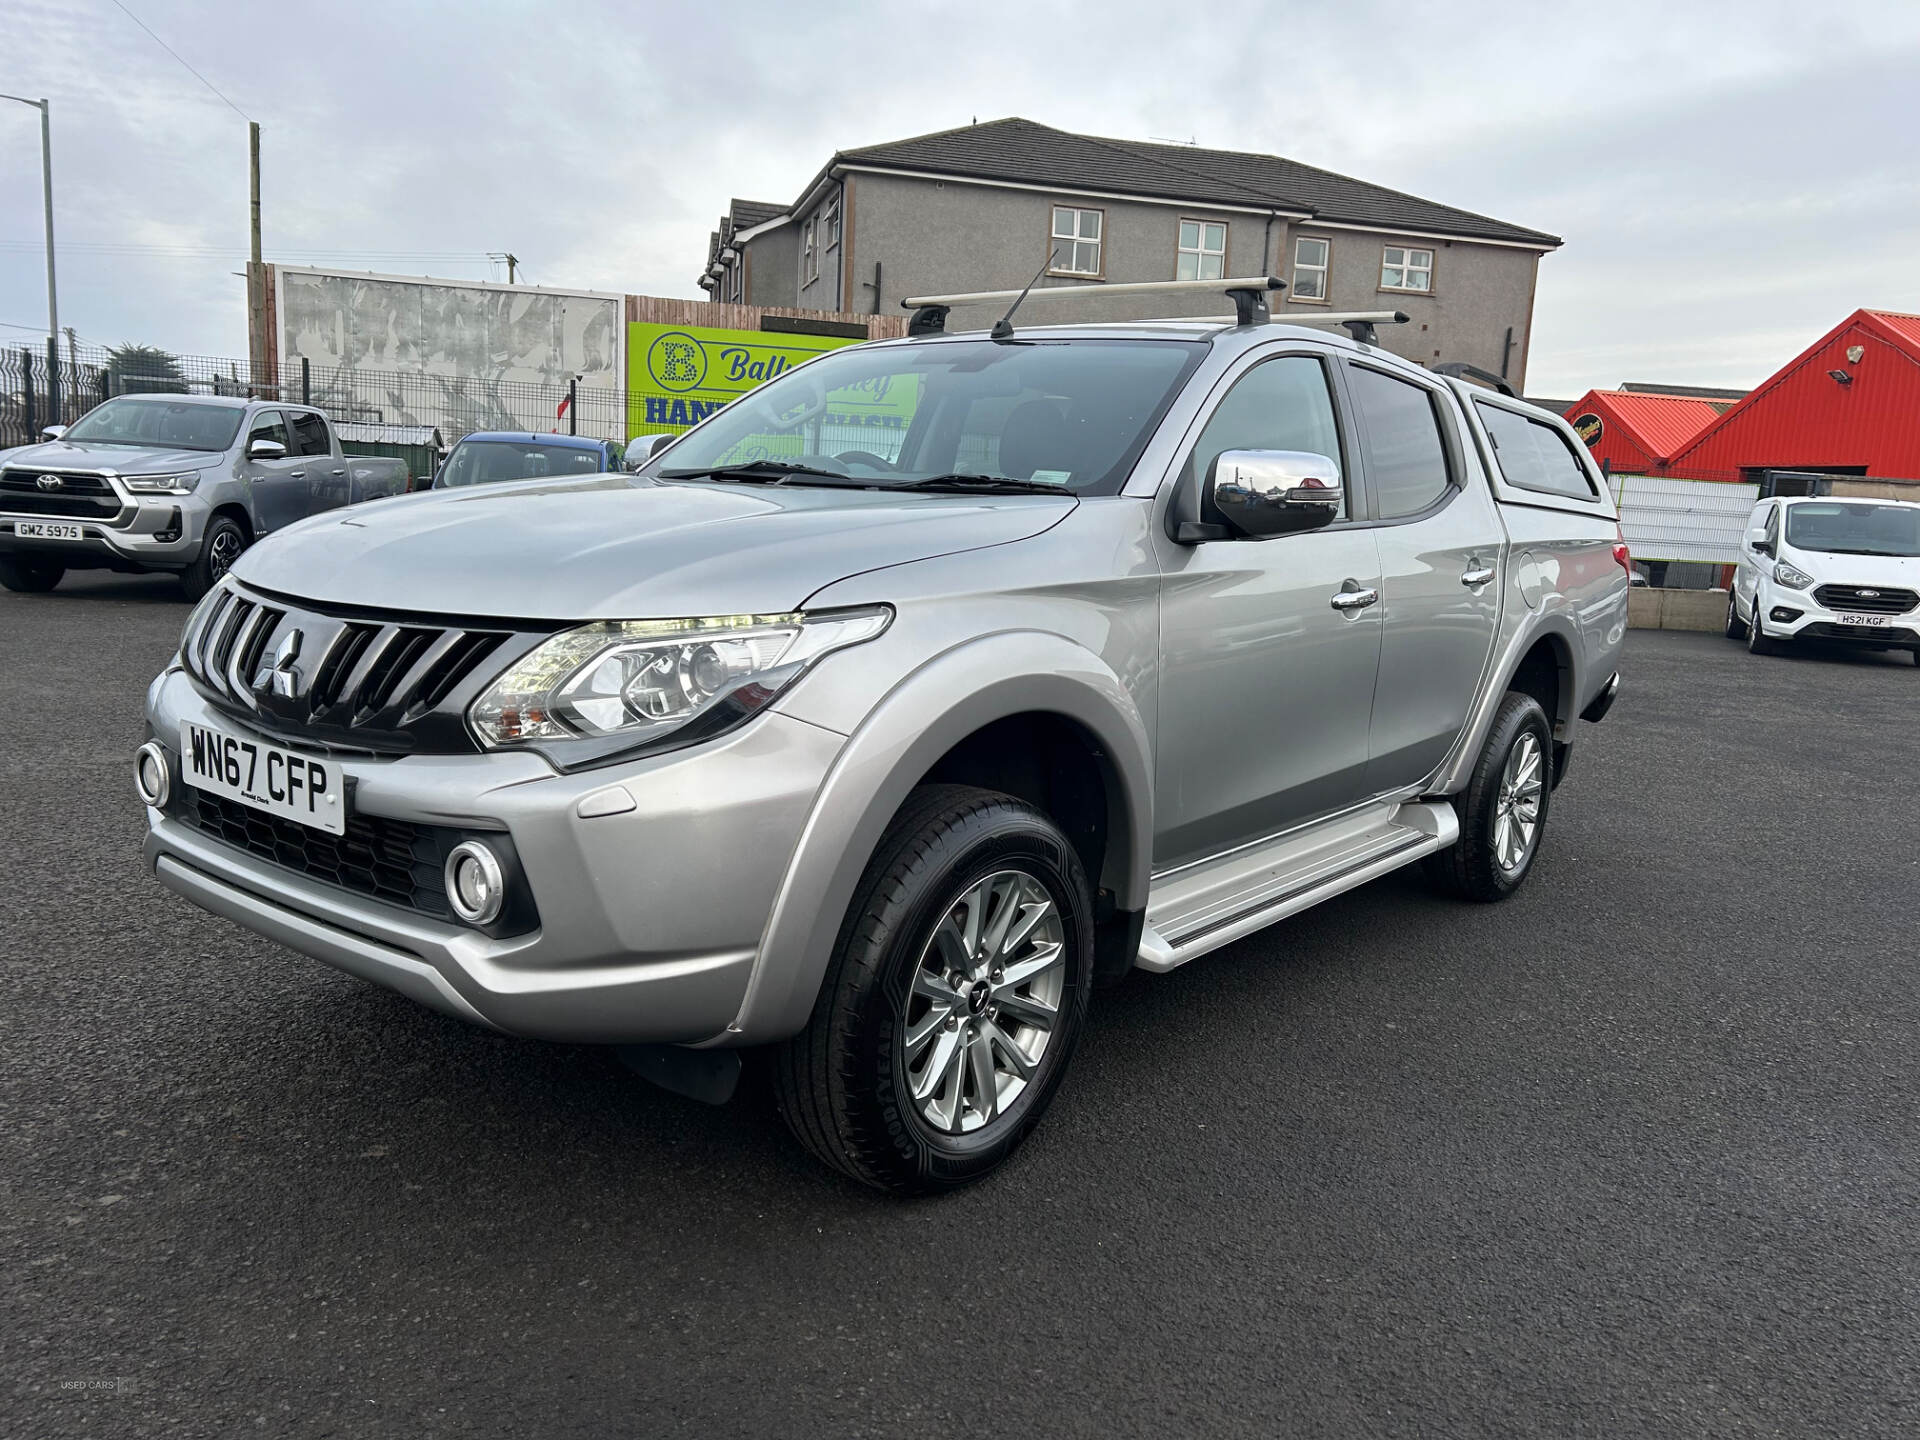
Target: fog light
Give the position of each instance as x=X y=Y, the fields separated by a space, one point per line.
x=475 y=884
x=1782 y=615
x=152 y=776
x=169 y=531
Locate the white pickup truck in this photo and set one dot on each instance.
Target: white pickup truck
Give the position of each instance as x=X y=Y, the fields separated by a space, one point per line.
x=179 y=483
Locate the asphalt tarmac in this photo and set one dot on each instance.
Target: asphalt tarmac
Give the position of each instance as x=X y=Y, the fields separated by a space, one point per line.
x=1632 y=1154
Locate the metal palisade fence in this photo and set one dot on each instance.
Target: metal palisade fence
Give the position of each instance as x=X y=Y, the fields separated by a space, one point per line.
x=43 y=385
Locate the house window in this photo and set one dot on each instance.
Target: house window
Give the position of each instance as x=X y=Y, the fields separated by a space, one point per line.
x=830 y=225
x=1076 y=241
x=1310 y=258
x=809 y=253
x=1403 y=268
x=1203 y=251
x=737 y=279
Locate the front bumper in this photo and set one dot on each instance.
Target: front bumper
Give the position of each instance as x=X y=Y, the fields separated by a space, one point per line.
x=151 y=532
x=651 y=917
x=1797 y=615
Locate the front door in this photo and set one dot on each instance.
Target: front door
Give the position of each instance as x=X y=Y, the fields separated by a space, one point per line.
x=1440 y=541
x=278 y=487
x=1266 y=687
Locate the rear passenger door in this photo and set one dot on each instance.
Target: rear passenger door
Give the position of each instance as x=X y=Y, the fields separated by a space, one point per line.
x=327 y=484
x=1439 y=539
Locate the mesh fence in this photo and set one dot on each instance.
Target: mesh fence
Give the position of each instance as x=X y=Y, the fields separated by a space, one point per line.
x=35 y=393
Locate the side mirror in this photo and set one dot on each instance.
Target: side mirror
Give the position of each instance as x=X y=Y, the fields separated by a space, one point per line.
x=1261 y=493
x=1757 y=539
x=643 y=448
x=266 y=450
x=53 y=432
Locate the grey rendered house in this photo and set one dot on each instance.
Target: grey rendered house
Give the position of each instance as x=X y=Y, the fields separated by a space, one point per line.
x=984 y=206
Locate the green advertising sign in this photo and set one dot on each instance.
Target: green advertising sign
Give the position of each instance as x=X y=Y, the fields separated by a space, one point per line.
x=677 y=375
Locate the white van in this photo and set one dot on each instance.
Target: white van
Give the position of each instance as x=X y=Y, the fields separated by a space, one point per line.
x=1825 y=568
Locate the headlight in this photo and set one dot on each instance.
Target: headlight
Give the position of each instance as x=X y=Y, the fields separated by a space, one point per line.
x=1785 y=574
x=179 y=484
x=619 y=685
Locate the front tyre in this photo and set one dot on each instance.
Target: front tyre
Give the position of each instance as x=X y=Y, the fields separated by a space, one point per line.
x=956 y=993
x=219 y=548
x=29 y=577
x=1736 y=627
x=1503 y=810
x=1758 y=641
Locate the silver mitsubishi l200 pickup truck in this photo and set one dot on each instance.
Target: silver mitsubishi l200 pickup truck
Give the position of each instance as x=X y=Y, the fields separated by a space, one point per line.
x=886 y=713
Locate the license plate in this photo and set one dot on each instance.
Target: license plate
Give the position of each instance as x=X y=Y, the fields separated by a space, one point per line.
x=1846 y=619
x=280 y=782
x=47 y=530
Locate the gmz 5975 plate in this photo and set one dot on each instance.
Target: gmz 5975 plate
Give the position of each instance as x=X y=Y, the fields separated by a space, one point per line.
x=280 y=782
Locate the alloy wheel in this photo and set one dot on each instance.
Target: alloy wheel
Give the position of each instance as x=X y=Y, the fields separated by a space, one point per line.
x=224 y=550
x=985 y=1002
x=1516 y=815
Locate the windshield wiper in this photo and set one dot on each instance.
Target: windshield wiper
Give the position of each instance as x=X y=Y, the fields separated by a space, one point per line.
x=770 y=472
x=982 y=485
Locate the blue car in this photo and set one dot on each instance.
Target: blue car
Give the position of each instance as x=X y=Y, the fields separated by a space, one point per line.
x=489 y=455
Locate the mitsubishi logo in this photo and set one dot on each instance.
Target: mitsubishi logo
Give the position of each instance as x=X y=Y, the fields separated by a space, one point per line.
x=50 y=482
x=284 y=675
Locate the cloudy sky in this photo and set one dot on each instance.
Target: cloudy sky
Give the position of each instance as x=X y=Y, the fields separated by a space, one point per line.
x=1731 y=179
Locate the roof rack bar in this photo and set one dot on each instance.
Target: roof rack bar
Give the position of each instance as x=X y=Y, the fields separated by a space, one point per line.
x=1248 y=294
x=1461 y=370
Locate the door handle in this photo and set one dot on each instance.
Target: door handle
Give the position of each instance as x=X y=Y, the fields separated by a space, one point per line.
x=296 y=474
x=1477 y=574
x=1355 y=599
x=339 y=472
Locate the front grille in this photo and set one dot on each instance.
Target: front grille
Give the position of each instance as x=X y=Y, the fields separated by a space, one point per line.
x=86 y=496
x=365 y=683
x=391 y=860
x=1866 y=599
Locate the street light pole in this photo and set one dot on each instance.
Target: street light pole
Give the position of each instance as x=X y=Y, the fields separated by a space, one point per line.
x=46 y=183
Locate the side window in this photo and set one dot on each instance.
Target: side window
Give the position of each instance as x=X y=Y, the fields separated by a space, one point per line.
x=1534 y=456
x=1773 y=524
x=1400 y=430
x=1280 y=404
x=269 y=425
x=309 y=433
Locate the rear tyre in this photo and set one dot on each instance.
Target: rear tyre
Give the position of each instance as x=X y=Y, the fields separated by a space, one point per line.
x=956 y=993
x=219 y=548
x=1736 y=627
x=29 y=577
x=1503 y=810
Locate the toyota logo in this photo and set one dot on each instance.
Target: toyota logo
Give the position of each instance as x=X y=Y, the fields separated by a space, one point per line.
x=50 y=482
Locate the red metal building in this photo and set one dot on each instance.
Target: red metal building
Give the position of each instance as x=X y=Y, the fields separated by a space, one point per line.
x=1849 y=404
x=1631 y=432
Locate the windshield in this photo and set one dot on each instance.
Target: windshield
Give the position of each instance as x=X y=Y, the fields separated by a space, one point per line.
x=1855 y=529
x=1074 y=414
x=481 y=462
x=160 y=424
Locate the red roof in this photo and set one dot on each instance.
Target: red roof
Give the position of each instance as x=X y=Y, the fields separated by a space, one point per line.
x=1804 y=418
x=1905 y=326
x=1637 y=430
x=1663 y=423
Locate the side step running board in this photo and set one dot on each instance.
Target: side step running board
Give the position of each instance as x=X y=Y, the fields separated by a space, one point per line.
x=1214 y=905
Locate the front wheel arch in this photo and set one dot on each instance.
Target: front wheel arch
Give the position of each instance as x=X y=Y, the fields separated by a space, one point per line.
x=949 y=698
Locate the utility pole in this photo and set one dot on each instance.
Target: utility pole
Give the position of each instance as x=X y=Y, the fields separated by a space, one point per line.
x=256 y=271
x=513 y=262
x=46 y=183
